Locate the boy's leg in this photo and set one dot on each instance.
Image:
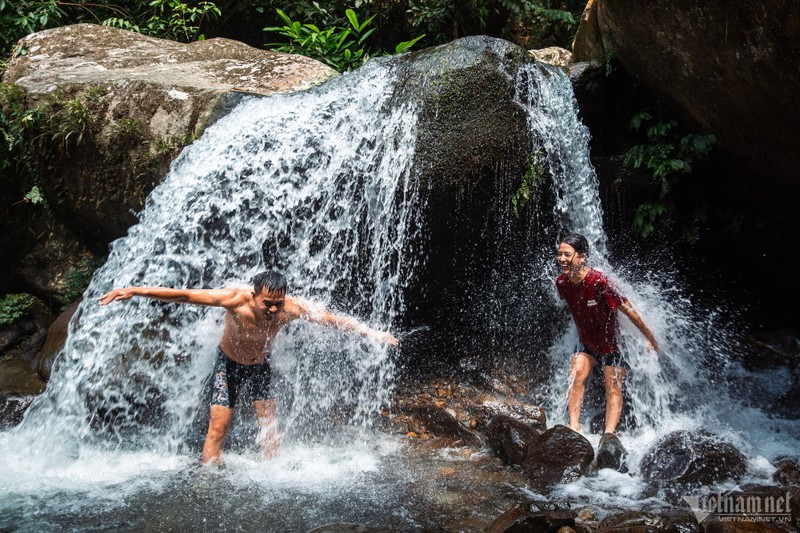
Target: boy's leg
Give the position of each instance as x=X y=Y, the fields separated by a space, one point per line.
x=267 y=427
x=614 y=378
x=218 y=425
x=581 y=367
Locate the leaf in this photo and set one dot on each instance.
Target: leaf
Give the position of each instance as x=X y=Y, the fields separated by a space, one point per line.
x=284 y=17
x=406 y=45
x=351 y=16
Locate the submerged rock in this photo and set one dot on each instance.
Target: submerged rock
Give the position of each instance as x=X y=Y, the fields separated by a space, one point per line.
x=693 y=458
x=559 y=455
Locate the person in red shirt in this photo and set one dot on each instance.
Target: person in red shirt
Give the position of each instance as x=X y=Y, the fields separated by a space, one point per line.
x=593 y=302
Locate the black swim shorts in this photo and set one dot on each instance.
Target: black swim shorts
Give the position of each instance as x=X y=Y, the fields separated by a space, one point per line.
x=230 y=377
x=610 y=359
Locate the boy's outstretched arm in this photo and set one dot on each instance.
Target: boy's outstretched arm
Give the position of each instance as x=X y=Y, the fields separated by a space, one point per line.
x=326 y=318
x=213 y=297
x=631 y=313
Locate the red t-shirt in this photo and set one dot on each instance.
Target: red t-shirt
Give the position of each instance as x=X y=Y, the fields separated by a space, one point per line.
x=593 y=304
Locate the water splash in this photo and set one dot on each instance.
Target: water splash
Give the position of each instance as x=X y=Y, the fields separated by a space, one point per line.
x=316 y=184
x=690 y=383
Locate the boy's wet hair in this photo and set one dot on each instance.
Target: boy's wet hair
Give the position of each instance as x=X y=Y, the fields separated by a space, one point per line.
x=577 y=241
x=271 y=280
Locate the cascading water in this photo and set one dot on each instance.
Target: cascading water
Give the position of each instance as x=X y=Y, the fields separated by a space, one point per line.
x=687 y=385
x=318 y=185
x=315 y=184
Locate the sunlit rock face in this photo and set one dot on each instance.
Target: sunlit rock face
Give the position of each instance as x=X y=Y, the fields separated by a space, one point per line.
x=731 y=68
x=136 y=102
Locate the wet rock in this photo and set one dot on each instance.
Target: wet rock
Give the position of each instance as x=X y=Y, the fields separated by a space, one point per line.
x=17 y=378
x=24 y=338
x=774 y=349
x=54 y=341
x=533 y=415
x=437 y=422
x=509 y=438
x=611 y=453
x=716 y=526
x=523 y=519
x=753 y=509
x=787 y=471
x=693 y=458
x=12 y=408
x=644 y=522
x=350 y=528
x=559 y=455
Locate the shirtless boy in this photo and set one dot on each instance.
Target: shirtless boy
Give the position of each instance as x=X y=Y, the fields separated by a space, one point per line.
x=593 y=302
x=253 y=317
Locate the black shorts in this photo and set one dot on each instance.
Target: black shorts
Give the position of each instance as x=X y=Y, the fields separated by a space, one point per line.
x=610 y=359
x=230 y=377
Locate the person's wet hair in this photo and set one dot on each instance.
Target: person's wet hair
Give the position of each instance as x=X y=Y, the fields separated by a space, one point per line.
x=577 y=241
x=271 y=280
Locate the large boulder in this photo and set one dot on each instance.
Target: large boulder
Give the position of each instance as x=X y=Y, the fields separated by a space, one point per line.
x=509 y=438
x=117 y=107
x=559 y=455
x=693 y=458
x=732 y=69
x=473 y=147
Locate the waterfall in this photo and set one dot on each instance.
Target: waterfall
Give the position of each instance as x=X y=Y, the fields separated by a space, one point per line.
x=315 y=184
x=692 y=383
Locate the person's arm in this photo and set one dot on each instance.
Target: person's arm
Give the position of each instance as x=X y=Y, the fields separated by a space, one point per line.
x=634 y=317
x=346 y=323
x=214 y=297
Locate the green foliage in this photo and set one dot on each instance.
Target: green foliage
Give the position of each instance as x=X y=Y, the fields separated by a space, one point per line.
x=34 y=196
x=78 y=278
x=16 y=306
x=67 y=123
x=343 y=48
x=19 y=18
x=127 y=130
x=17 y=124
x=531 y=184
x=169 y=19
x=339 y=47
x=450 y=19
x=666 y=154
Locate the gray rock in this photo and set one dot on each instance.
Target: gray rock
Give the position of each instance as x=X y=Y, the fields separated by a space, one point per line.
x=146 y=98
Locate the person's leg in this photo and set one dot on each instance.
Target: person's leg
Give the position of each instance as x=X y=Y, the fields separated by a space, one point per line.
x=579 y=371
x=224 y=389
x=218 y=425
x=267 y=427
x=614 y=378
